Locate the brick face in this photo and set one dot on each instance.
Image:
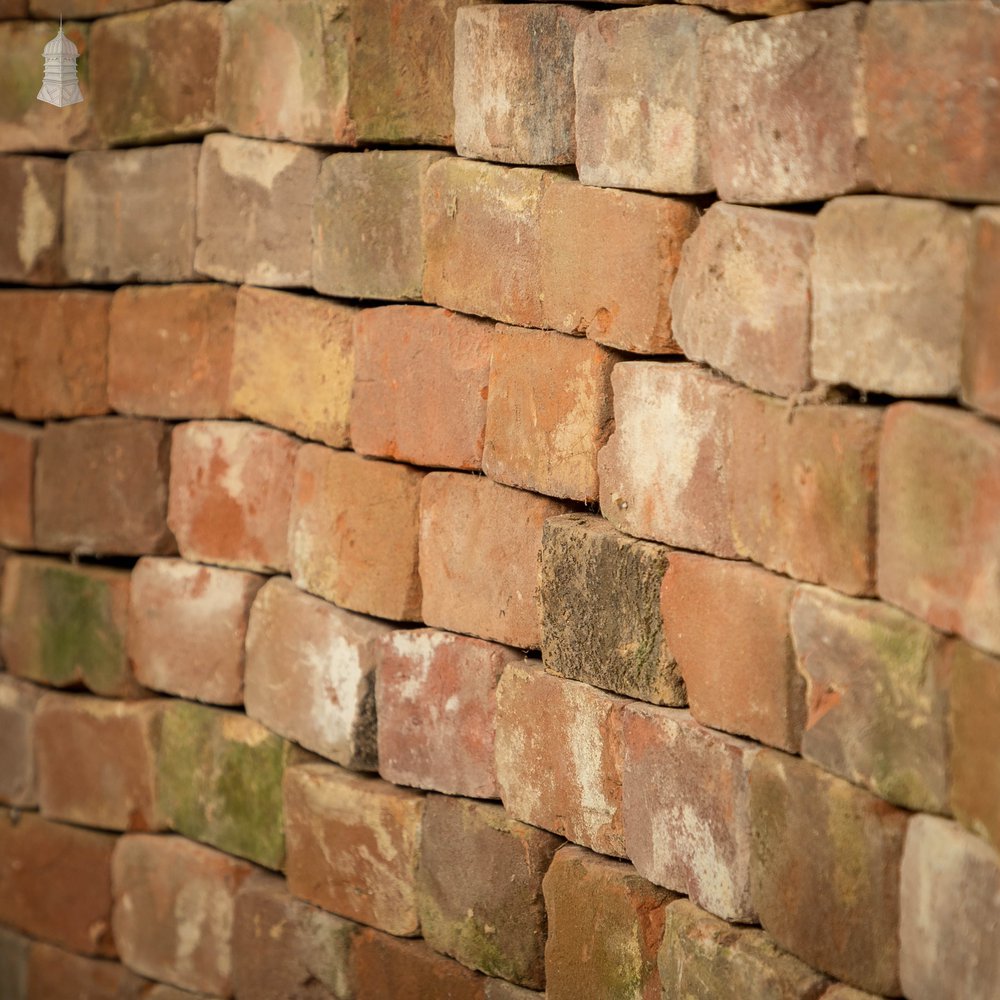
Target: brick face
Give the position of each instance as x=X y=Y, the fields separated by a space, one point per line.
x=18 y=451
x=31 y=220
x=980 y=350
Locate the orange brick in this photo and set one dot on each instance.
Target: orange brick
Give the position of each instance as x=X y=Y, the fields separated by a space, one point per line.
x=31 y=220
x=14 y=954
x=18 y=451
x=55 y=974
x=18 y=706
x=981 y=345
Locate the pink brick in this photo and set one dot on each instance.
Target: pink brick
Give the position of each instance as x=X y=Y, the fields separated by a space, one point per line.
x=18 y=451
x=18 y=708
x=31 y=220
x=980 y=346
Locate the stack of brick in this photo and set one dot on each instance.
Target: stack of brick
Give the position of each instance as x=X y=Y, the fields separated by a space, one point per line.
x=501 y=498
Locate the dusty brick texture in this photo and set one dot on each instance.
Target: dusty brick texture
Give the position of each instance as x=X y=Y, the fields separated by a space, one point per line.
x=31 y=220
x=980 y=375
x=18 y=451
x=18 y=773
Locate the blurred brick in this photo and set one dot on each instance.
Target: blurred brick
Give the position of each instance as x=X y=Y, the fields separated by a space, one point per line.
x=980 y=375
x=754 y=7
x=293 y=363
x=353 y=845
x=18 y=452
x=741 y=298
x=171 y=350
x=420 y=387
x=130 y=214
x=55 y=974
x=353 y=532
x=888 y=284
x=13 y=8
x=838 y=991
x=31 y=219
x=479 y=551
x=255 y=205
x=310 y=673
x=18 y=775
x=787 y=112
x=499 y=989
x=88 y=8
x=14 y=953
x=230 y=494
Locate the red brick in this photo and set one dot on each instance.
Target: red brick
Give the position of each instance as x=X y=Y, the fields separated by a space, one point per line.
x=55 y=882
x=353 y=533
x=18 y=451
x=173 y=914
x=31 y=220
x=479 y=551
x=353 y=845
x=928 y=133
x=170 y=350
x=293 y=363
x=420 y=387
x=87 y=8
x=741 y=298
x=310 y=673
x=939 y=517
x=14 y=954
x=55 y=974
x=786 y=115
x=560 y=756
x=980 y=374
x=230 y=494
x=18 y=705
x=436 y=696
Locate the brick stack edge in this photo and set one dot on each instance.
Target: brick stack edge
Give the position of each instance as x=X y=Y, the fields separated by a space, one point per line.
x=499 y=499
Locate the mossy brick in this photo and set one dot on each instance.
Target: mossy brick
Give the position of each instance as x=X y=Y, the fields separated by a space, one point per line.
x=421 y=385
x=18 y=774
x=130 y=215
x=980 y=376
x=173 y=910
x=63 y=624
x=57 y=974
x=18 y=451
x=14 y=952
x=605 y=924
x=219 y=780
x=31 y=220
x=514 y=96
x=741 y=299
x=825 y=870
x=310 y=673
x=786 y=113
x=293 y=363
x=479 y=888
x=353 y=845
x=88 y=8
x=939 y=519
x=170 y=350
x=154 y=73
x=599 y=592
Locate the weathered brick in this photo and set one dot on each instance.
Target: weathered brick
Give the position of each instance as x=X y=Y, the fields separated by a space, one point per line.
x=130 y=214
x=741 y=298
x=949 y=913
x=514 y=97
x=499 y=989
x=480 y=888
x=230 y=493
x=18 y=451
x=310 y=673
x=888 y=284
x=436 y=697
x=293 y=363
x=755 y=7
x=642 y=99
x=600 y=602
x=980 y=375
x=13 y=8
x=55 y=882
x=479 y=550
x=686 y=808
x=88 y=8
x=786 y=111
x=170 y=350
x=420 y=387
x=825 y=870
x=14 y=954
x=255 y=205
x=96 y=761
x=560 y=756
x=939 y=519
x=219 y=781
x=154 y=73
x=173 y=914
x=841 y=992
x=64 y=625
x=353 y=532
x=161 y=991
x=18 y=707
x=353 y=845
x=605 y=926
x=31 y=219
x=56 y=974
x=367 y=237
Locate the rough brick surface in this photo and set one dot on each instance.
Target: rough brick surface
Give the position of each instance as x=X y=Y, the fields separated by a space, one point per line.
x=980 y=345
x=499 y=989
x=87 y=8
x=56 y=974
x=31 y=220
x=18 y=450
x=18 y=705
x=14 y=957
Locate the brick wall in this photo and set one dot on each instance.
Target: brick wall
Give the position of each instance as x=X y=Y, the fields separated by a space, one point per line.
x=501 y=498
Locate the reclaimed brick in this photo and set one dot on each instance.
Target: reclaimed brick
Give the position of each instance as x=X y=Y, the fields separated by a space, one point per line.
x=88 y=8
x=255 y=206
x=599 y=592
x=980 y=374
x=173 y=913
x=479 y=551
x=888 y=285
x=755 y=7
x=14 y=955
x=18 y=708
x=130 y=214
x=420 y=387
x=56 y=974
x=514 y=96
x=31 y=219
x=499 y=989
x=353 y=532
x=170 y=350
x=560 y=756
x=230 y=494
x=786 y=112
x=310 y=673
x=741 y=298
x=353 y=845
x=293 y=363
x=18 y=452
x=825 y=870
x=841 y=992
x=161 y=991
